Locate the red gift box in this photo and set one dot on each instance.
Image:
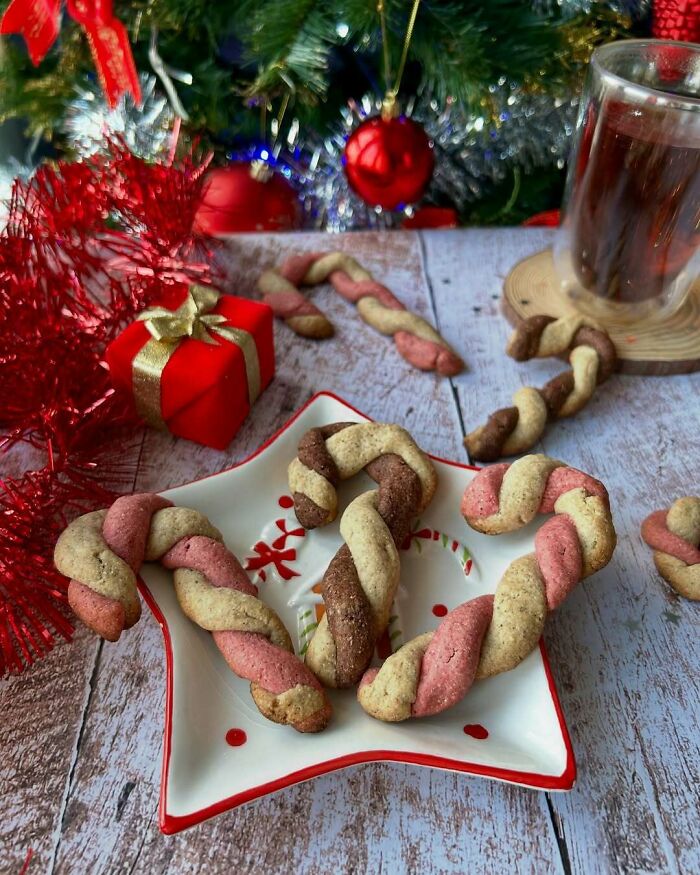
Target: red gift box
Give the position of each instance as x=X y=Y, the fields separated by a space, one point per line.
x=196 y=364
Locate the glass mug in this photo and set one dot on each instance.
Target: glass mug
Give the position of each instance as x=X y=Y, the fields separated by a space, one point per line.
x=628 y=247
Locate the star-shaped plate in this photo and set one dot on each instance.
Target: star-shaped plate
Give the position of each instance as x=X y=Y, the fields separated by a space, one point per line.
x=220 y=752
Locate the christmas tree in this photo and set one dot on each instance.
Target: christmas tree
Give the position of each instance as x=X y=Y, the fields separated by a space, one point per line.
x=493 y=82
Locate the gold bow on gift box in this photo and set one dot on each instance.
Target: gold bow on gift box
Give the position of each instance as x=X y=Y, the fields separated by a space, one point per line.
x=194 y=320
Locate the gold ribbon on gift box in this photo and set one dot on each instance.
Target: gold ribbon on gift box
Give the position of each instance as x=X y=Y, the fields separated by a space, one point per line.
x=168 y=328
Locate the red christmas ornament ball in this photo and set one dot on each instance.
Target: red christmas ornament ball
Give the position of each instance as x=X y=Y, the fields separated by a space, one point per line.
x=389 y=162
x=246 y=197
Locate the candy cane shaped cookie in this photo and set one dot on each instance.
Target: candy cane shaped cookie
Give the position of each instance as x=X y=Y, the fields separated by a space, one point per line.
x=674 y=535
x=102 y=553
x=593 y=359
x=361 y=580
x=494 y=633
x=416 y=340
x=280 y=291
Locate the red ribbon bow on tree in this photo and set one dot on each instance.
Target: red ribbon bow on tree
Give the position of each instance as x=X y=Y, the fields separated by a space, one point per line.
x=38 y=22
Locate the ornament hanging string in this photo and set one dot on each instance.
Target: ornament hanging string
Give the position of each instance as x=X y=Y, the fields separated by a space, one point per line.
x=260 y=169
x=389 y=102
x=385 y=45
x=276 y=125
x=166 y=74
x=388 y=159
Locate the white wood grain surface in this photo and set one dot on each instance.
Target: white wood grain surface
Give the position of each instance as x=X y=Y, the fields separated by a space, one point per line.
x=81 y=733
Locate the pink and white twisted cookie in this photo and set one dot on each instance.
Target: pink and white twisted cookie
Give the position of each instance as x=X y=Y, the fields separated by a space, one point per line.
x=416 y=340
x=494 y=633
x=102 y=553
x=674 y=535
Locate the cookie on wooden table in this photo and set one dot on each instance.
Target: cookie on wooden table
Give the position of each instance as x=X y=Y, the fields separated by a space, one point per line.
x=674 y=535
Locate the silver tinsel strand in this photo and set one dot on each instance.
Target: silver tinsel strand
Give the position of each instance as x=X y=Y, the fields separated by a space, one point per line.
x=472 y=153
x=146 y=130
x=637 y=10
x=10 y=170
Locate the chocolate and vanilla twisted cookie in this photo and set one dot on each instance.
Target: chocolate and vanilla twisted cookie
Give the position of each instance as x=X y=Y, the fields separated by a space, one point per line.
x=591 y=352
x=674 y=535
x=416 y=340
x=494 y=633
x=361 y=580
x=103 y=551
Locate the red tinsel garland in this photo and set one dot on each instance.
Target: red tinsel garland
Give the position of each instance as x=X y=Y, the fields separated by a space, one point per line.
x=87 y=246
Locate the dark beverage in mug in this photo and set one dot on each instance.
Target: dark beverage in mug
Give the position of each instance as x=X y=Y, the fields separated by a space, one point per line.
x=635 y=214
x=628 y=247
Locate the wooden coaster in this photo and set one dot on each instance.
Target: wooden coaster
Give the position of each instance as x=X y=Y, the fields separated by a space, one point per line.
x=650 y=346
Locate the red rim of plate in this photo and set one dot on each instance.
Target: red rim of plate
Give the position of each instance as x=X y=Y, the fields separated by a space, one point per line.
x=170 y=824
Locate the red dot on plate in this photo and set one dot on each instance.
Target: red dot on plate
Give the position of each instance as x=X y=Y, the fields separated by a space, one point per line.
x=476 y=730
x=285 y=501
x=236 y=737
x=440 y=610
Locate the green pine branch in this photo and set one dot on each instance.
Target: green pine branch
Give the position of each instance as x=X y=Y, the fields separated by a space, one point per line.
x=320 y=53
x=39 y=95
x=285 y=47
x=289 y=42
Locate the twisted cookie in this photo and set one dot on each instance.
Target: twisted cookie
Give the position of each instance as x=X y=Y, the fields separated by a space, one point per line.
x=361 y=580
x=494 y=633
x=674 y=535
x=416 y=340
x=279 y=288
x=593 y=359
x=103 y=551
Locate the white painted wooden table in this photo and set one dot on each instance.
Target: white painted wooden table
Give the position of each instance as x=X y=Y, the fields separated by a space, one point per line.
x=81 y=733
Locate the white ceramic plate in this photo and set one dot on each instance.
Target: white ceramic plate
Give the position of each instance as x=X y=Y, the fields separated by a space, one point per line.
x=220 y=752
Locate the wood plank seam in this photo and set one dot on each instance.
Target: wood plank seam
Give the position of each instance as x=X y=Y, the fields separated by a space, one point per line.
x=453 y=386
x=555 y=821
x=645 y=775
x=558 y=832
x=558 y=827
x=70 y=782
x=76 y=753
x=632 y=635
x=144 y=836
x=433 y=306
x=428 y=282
